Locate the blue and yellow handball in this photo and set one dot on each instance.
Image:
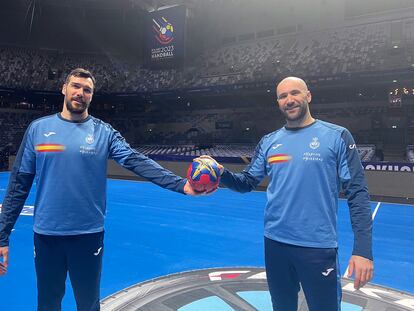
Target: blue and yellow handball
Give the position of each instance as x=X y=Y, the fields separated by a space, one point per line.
x=203 y=175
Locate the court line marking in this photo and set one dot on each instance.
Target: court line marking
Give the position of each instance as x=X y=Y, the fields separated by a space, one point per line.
x=24 y=211
x=373 y=217
x=375 y=211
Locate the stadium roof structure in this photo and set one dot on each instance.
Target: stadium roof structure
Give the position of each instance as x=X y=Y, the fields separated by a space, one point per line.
x=148 y=5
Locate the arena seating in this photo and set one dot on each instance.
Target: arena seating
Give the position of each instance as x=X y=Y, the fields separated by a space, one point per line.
x=352 y=49
x=410 y=153
x=366 y=152
x=193 y=150
x=360 y=48
x=13 y=124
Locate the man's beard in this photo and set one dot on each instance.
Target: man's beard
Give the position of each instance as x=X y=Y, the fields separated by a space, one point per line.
x=71 y=108
x=303 y=109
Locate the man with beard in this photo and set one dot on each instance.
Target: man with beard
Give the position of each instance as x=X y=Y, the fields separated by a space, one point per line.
x=67 y=155
x=307 y=162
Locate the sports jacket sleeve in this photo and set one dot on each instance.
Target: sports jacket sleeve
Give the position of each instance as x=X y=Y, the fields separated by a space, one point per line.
x=249 y=178
x=143 y=166
x=18 y=189
x=351 y=174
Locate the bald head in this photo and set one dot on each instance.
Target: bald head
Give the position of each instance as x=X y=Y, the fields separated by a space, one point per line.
x=293 y=98
x=292 y=81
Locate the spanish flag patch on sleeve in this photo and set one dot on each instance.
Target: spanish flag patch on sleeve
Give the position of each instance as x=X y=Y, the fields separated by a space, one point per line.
x=278 y=158
x=50 y=148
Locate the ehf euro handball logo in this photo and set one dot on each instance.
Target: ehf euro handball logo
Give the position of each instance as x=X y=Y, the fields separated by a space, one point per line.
x=164 y=31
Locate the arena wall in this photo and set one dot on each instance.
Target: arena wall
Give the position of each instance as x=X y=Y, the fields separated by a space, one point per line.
x=380 y=183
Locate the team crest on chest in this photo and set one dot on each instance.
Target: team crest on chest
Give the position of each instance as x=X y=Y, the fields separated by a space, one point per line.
x=89 y=139
x=315 y=143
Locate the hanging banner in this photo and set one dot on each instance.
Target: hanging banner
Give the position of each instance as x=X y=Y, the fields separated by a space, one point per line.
x=166 y=37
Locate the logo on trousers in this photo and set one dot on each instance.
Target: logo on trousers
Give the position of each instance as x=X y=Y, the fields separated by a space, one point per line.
x=327 y=272
x=98 y=251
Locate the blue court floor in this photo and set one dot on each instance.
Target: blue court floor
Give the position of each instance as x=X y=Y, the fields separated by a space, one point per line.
x=152 y=232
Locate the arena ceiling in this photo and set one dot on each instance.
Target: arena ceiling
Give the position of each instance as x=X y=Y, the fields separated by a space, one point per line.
x=147 y=5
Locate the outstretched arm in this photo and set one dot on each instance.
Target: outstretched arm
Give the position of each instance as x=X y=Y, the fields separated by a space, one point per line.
x=147 y=168
x=240 y=182
x=249 y=178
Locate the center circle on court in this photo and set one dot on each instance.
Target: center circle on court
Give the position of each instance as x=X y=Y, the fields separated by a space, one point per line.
x=238 y=289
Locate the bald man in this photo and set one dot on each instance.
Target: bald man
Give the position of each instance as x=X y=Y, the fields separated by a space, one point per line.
x=308 y=161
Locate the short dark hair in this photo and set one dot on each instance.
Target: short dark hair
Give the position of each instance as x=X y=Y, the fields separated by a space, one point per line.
x=82 y=73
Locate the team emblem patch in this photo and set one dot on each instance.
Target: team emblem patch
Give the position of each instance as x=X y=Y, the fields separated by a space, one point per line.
x=315 y=143
x=89 y=139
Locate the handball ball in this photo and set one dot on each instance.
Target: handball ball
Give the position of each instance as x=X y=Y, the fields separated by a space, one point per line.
x=203 y=175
